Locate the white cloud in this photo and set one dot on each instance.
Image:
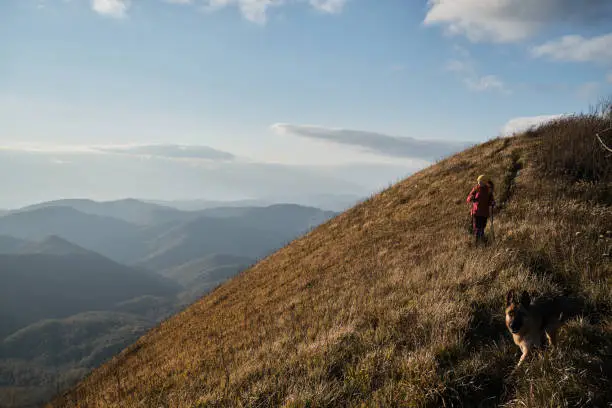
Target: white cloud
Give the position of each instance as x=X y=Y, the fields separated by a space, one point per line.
x=46 y=148
x=577 y=48
x=512 y=20
x=328 y=6
x=522 y=124
x=256 y=11
x=45 y=175
x=487 y=83
x=479 y=20
x=373 y=142
x=111 y=8
x=171 y=152
x=465 y=67
x=168 y=151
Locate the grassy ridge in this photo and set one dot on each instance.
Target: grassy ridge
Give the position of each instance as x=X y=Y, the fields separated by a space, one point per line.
x=389 y=305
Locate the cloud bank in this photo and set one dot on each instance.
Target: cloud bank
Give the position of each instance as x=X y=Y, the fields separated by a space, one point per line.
x=164 y=151
x=31 y=176
x=513 y=20
x=374 y=142
x=253 y=10
x=576 y=48
x=170 y=151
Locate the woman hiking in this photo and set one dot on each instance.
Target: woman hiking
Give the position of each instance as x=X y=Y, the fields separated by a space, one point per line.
x=481 y=199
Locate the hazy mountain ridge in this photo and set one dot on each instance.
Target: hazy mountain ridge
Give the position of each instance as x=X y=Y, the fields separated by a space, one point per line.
x=39 y=286
x=326 y=202
x=51 y=354
x=11 y=245
x=252 y=234
x=129 y=210
x=76 y=296
x=84 y=336
x=260 y=229
x=201 y=275
x=111 y=237
x=53 y=245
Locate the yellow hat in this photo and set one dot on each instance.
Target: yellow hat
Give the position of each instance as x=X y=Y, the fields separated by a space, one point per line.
x=482 y=177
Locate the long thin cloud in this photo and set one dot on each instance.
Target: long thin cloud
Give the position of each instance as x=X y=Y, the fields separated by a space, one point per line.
x=375 y=142
x=171 y=152
x=167 y=151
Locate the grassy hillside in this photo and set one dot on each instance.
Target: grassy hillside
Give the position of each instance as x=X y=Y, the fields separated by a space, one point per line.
x=388 y=304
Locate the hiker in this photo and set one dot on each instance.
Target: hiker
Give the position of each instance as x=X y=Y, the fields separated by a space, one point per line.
x=481 y=198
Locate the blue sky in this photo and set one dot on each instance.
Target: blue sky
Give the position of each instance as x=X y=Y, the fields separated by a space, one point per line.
x=309 y=86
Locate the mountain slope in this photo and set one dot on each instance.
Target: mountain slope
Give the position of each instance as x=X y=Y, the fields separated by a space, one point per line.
x=389 y=305
x=52 y=245
x=192 y=271
x=108 y=236
x=89 y=336
x=41 y=286
x=52 y=353
x=202 y=275
x=246 y=232
x=10 y=245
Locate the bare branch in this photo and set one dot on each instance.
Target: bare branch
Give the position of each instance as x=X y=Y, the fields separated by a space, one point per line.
x=602 y=142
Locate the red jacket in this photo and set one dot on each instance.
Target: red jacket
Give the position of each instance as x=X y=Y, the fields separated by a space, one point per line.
x=481 y=198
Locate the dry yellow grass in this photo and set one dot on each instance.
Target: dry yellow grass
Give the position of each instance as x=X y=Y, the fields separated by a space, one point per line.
x=389 y=305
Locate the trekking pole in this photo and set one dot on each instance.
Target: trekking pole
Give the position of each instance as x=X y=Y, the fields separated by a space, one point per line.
x=471 y=227
x=492 y=230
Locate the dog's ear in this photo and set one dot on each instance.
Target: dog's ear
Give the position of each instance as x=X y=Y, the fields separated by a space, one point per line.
x=509 y=297
x=525 y=299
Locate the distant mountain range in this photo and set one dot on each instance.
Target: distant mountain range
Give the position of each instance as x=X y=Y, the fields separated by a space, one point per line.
x=137 y=211
x=328 y=202
x=169 y=237
x=129 y=210
x=81 y=279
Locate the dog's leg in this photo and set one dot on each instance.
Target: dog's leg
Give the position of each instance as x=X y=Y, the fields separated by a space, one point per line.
x=525 y=354
x=551 y=335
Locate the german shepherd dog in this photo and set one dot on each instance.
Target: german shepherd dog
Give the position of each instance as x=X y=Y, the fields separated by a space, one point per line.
x=532 y=322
